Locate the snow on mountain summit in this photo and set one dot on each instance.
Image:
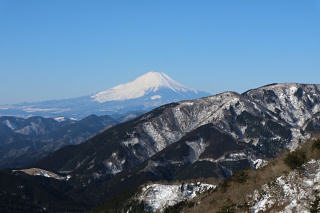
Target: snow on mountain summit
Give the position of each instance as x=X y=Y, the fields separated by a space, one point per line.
x=147 y=92
x=149 y=82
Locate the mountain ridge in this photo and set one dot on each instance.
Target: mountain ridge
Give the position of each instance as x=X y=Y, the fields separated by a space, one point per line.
x=240 y=116
x=24 y=141
x=213 y=137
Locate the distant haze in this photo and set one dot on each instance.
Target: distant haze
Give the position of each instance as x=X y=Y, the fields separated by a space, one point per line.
x=146 y=92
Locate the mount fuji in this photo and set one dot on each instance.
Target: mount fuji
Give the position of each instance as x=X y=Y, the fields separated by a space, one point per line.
x=146 y=92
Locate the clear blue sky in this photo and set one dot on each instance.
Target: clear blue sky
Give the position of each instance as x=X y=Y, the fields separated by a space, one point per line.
x=52 y=49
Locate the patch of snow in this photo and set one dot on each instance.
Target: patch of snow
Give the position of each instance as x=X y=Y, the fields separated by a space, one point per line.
x=114 y=164
x=32 y=128
x=296 y=138
x=157 y=197
x=159 y=136
x=155 y=97
x=60 y=119
x=129 y=117
x=258 y=163
x=263 y=202
x=187 y=103
x=238 y=156
x=197 y=148
x=227 y=157
x=42 y=172
x=131 y=142
x=9 y=124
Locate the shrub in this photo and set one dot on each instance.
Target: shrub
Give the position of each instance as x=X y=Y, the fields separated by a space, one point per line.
x=295 y=159
x=223 y=186
x=316 y=144
x=240 y=177
x=228 y=207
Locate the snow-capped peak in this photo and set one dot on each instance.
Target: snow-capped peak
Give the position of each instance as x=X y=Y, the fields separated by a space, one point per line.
x=149 y=82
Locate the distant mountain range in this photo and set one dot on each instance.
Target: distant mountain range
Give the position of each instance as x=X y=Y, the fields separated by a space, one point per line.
x=212 y=137
x=143 y=94
x=25 y=141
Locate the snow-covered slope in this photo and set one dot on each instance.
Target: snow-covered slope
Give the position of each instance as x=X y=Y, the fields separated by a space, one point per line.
x=292 y=102
x=150 y=82
x=294 y=192
x=156 y=197
x=226 y=130
x=148 y=91
x=43 y=173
